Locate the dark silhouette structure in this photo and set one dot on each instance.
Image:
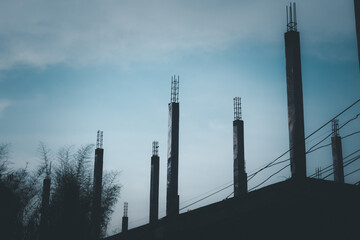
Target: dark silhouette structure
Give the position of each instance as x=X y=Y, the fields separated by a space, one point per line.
x=154 y=183
x=298 y=208
x=357 y=22
x=44 y=231
x=295 y=96
x=172 y=197
x=125 y=219
x=240 y=176
x=337 y=153
x=311 y=209
x=98 y=171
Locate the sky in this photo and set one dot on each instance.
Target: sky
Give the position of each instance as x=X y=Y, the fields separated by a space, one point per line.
x=70 y=68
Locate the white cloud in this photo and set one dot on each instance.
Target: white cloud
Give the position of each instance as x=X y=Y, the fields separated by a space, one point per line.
x=42 y=32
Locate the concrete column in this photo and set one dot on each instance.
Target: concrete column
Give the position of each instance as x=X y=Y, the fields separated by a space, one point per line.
x=337 y=153
x=44 y=220
x=295 y=99
x=154 y=185
x=357 y=22
x=240 y=176
x=172 y=197
x=96 y=211
x=125 y=219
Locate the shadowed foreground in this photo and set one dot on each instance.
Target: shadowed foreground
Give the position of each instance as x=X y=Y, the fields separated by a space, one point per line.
x=314 y=209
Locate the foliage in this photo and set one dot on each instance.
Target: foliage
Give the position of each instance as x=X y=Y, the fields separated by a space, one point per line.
x=71 y=175
x=18 y=190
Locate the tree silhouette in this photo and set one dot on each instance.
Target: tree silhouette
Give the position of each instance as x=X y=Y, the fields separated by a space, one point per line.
x=18 y=202
x=72 y=194
x=69 y=212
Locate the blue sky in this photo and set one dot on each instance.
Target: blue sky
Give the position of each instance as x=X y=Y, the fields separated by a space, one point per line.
x=70 y=68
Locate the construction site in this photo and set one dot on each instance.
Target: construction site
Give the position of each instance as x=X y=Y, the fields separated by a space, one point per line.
x=305 y=206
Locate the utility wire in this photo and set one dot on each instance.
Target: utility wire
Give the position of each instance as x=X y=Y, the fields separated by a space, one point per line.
x=269 y=177
x=329 y=167
x=325 y=170
x=350 y=120
x=268 y=165
x=352 y=160
x=351 y=154
x=351 y=134
x=226 y=184
x=206 y=197
x=313 y=150
x=352 y=172
x=348 y=163
x=229 y=195
x=272 y=163
x=354 y=103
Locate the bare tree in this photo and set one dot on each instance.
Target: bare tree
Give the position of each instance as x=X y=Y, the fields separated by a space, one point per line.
x=71 y=195
x=18 y=191
x=72 y=190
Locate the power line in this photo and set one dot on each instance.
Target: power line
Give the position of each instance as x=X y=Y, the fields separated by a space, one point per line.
x=351 y=154
x=351 y=134
x=225 y=184
x=350 y=120
x=274 y=164
x=326 y=145
x=321 y=135
x=354 y=103
x=270 y=164
x=328 y=168
x=206 y=197
x=352 y=160
x=252 y=175
x=348 y=163
x=322 y=171
x=229 y=195
x=352 y=172
x=310 y=151
x=269 y=177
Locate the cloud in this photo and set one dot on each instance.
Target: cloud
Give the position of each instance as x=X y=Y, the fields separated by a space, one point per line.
x=83 y=32
x=3 y=105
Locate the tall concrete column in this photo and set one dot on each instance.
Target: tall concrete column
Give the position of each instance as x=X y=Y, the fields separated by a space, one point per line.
x=125 y=219
x=295 y=97
x=154 y=184
x=97 y=190
x=357 y=22
x=337 y=153
x=240 y=176
x=172 y=197
x=44 y=220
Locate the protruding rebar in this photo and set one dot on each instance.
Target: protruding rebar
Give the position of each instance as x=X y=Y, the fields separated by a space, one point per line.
x=99 y=139
x=237 y=108
x=291 y=17
x=172 y=197
x=126 y=207
x=175 y=89
x=336 y=145
x=125 y=219
x=155 y=148
x=154 y=184
x=335 y=127
x=318 y=173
